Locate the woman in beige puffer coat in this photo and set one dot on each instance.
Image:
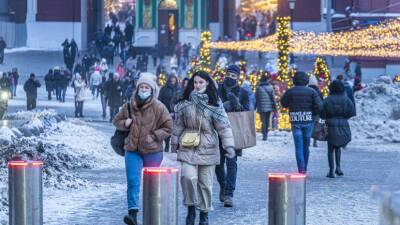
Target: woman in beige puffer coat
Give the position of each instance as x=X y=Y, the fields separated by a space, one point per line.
x=200 y=108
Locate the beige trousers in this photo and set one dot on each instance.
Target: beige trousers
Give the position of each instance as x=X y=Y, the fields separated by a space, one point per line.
x=197 y=184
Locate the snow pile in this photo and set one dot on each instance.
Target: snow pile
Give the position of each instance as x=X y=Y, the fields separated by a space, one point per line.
x=378 y=112
x=65 y=147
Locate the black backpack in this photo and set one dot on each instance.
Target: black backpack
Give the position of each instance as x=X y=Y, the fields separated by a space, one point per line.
x=118 y=139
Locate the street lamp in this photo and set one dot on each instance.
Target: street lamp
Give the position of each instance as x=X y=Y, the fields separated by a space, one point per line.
x=292 y=5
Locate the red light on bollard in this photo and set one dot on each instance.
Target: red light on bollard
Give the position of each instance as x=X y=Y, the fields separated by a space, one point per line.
x=160 y=170
x=277 y=175
x=25 y=163
x=298 y=176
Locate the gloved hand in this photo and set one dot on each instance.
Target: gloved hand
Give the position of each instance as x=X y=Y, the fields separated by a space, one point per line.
x=230 y=153
x=236 y=106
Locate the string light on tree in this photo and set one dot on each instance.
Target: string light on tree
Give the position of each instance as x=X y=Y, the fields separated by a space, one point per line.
x=162 y=79
x=284 y=35
x=219 y=73
x=321 y=72
x=205 y=50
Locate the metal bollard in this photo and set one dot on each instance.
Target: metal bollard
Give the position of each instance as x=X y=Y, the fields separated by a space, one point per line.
x=287 y=199
x=160 y=196
x=25 y=194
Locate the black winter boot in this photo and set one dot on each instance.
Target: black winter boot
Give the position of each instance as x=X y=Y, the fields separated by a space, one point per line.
x=203 y=218
x=338 y=153
x=131 y=218
x=191 y=216
x=221 y=194
x=331 y=165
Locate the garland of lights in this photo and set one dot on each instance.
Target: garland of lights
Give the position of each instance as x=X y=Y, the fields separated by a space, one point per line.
x=321 y=72
x=381 y=40
x=284 y=35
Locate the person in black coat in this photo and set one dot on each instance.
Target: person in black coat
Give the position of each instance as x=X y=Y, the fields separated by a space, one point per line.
x=15 y=76
x=30 y=87
x=66 y=77
x=3 y=46
x=49 y=81
x=113 y=90
x=167 y=94
x=234 y=99
x=128 y=32
x=74 y=51
x=336 y=110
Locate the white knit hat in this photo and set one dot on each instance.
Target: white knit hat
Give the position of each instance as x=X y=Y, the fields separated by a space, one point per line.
x=151 y=80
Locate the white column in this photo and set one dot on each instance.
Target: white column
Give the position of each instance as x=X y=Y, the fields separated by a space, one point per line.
x=31 y=11
x=84 y=28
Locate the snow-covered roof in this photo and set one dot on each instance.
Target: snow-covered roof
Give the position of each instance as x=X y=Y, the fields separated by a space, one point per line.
x=360 y=14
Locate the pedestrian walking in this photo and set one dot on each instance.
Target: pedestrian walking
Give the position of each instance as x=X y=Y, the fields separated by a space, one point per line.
x=95 y=81
x=200 y=114
x=12 y=83
x=150 y=125
x=65 y=80
x=265 y=98
x=337 y=109
x=313 y=83
x=113 y=89
x=304 y=104
x=80 y=94
x=234 y=99
x=49 y=82
x=167 y=93
x=173 y=63
x=5 y=83
x=74 y=51
x=103 y=96
x=15 y=76
x=3 y=46
x=30 y=88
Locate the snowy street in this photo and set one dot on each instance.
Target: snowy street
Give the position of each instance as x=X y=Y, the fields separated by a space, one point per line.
x=95 y=192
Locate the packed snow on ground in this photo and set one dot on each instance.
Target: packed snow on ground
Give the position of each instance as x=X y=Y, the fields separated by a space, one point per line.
x=378 y=112
x=64 y=146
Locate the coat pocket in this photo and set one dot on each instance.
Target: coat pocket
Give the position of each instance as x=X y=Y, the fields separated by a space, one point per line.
x=149 y=143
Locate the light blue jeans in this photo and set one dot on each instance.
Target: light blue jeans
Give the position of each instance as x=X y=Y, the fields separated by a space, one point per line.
x=302 y=135
x=134 y=163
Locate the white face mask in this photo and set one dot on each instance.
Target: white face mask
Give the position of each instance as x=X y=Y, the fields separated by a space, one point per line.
x=143 y=95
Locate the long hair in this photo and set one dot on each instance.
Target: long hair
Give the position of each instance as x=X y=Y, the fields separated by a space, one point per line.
x=211 y=90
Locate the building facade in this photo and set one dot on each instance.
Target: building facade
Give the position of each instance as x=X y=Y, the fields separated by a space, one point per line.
x=46 y=24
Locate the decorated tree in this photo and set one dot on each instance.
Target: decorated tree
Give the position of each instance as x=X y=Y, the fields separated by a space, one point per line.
x=284 y=35
x=321 y=72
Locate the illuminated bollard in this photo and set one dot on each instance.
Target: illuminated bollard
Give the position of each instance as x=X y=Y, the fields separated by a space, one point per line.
x=25 y=194
x=160 y=196
x=287 y=199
